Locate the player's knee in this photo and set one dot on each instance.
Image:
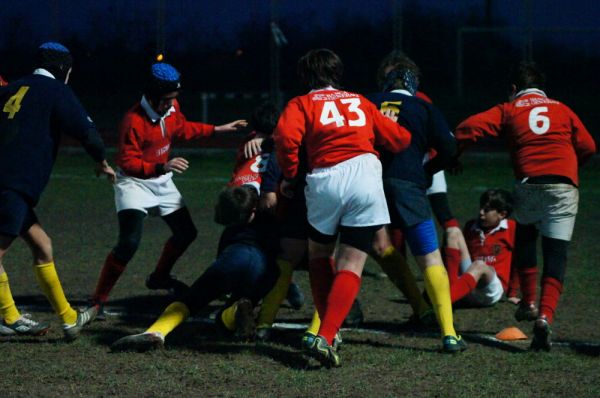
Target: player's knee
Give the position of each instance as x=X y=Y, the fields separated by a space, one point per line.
x=453 y=237
x=126 y=248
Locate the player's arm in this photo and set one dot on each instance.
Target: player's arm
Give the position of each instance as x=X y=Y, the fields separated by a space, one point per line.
x=442 y=141
x=488 y=123
x=584 y=144
x=75 y=122
x=288 y=136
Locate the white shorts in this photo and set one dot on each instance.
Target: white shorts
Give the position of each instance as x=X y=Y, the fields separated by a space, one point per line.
x=154 y=196
x=438 y=185
x=349 y=194
x=550 y=207
x=486 y=295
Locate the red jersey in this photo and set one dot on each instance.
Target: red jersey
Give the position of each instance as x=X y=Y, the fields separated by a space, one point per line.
x=145 y=141
x=495 y=247
x=335 y=125
x=544 y=136
x=248 y=171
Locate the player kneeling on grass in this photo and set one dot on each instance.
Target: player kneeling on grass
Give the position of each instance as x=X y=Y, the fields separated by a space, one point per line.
x=144 y=180
x=35 y=111
x=490 y=242
x=344 y=192
x=243 y=268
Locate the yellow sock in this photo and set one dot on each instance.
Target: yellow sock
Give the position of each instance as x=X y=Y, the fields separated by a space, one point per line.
x=48 y=280
x=272 y=301
x=228 y=317
x=314 y=326
x=171 y=317
x=394 y=264
x=438 y=289
x=8 y=310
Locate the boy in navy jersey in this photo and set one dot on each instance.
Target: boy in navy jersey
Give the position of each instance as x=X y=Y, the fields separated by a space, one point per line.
x=35 y=111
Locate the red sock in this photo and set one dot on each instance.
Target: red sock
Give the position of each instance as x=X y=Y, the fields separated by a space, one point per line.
x=453 y=222
x=344 y=290
x=167 y=259
x=513 y=283
x=321 y=272
x=398 y=240
x=551 y=290
x=452 y=261
x=109 y=275
x=462 y=286
x=528 y=278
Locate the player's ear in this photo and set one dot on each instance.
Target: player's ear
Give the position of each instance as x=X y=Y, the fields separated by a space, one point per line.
x=503 y=214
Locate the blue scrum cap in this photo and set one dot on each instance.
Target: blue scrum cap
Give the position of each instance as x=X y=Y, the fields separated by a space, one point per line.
x=54 y=46
x=55 y=58
x=164 y=79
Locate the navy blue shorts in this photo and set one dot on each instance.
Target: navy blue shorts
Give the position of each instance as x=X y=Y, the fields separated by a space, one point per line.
x=16 y=214
x=407 y=203
x=294 y=223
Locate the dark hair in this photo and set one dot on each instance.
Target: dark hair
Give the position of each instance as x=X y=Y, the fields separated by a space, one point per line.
x=527 y=75
x=235 y=205
x=320 y=68
x=497 y=199
x=396 y=60
x=264 y=118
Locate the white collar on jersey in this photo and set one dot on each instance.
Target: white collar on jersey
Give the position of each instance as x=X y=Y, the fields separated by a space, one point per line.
x=330 y=88
x=152 y=114
x=528 y=91
x=502 y=225
x=43 y=72
x=402 y=91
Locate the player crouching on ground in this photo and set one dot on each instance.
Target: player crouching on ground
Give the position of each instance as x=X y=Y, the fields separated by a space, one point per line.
x=144 y=180
x=242 y=268
x=490 y=243
x=344 y=192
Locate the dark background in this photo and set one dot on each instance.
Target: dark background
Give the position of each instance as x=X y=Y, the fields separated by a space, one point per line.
x=224 y=48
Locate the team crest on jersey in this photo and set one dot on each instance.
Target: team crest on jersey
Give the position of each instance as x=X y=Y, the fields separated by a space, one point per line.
x=393 y=106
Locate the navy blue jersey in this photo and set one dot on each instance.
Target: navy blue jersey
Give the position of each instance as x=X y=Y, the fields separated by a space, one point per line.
x=34 y=111
x=429 y=130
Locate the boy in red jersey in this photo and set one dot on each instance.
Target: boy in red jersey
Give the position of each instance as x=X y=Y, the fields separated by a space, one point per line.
x=144 y=179
x=490 y=241
x=547 y=143
x=344 y=189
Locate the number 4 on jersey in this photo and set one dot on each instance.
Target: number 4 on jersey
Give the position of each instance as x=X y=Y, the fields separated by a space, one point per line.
x=13 y=105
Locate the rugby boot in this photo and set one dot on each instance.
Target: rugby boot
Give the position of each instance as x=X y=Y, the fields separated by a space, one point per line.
x=295 y=297
x=139 y=342
x=24 y=326
x=324 y=353
x=541 y=335
x=526 y=312
x=452 y=344
x=84 y=317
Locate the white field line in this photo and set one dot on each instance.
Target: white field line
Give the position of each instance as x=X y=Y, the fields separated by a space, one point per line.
x=199 y=320
x=205 y=180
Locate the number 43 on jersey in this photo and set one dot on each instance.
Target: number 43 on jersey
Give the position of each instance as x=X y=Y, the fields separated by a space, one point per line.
x=331 y=113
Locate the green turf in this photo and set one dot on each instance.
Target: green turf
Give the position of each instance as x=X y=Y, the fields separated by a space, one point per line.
x=78 y=213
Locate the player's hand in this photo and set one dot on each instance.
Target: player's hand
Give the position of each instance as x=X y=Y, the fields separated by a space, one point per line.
x=390 y=114
x=267 y=202
x=103 y=168
x=287 y=189
x=231 y=127
x=253 y=147
x=178 y=165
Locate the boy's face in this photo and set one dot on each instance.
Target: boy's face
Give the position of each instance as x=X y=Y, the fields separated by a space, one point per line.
x=165 y=102
x=490 y=218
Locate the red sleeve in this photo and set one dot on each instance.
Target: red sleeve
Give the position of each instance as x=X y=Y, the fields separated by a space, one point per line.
x=584 y=144
x=388 y=134
x=130 y=155
x=288 y=137
x=488 y=123
x=190 y=130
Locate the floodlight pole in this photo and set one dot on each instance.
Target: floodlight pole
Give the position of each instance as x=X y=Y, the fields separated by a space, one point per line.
x=160 y=27
x=397 y=28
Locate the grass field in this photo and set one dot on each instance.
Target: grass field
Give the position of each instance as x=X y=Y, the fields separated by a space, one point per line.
x=384 y=358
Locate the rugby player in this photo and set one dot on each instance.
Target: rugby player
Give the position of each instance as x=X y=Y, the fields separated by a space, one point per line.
x=144 y=180
x=547 y=144
x=35 y=111
x=344 y=193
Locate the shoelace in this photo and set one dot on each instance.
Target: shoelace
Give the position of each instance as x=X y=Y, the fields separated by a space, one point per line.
x=26 y=319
